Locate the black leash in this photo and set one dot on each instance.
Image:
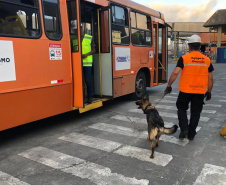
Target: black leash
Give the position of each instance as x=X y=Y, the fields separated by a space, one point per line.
x=159 y=100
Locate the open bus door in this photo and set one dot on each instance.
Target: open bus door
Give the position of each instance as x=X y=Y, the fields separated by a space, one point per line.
x=160 y=46
x=103 y=68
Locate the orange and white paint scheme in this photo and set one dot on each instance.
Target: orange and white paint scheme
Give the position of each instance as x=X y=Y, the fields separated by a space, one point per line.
x=41 y=55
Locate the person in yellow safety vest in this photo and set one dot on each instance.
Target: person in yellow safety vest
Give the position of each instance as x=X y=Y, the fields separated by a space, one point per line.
x=88 y=49
x=195 y=84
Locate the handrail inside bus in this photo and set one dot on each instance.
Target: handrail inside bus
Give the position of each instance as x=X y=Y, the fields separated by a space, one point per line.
x=98 y=17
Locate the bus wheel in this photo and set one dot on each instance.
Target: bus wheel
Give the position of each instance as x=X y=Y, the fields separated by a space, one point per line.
x=140 y=85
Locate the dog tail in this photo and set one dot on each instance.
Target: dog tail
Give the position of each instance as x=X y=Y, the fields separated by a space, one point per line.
x=171 y=130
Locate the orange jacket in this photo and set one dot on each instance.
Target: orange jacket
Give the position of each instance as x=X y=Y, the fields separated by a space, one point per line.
x=194 y=76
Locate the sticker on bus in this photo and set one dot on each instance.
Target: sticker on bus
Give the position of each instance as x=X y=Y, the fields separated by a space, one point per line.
x=55 y=52
x=7 y=63
x=151 y=54
x=122 y=58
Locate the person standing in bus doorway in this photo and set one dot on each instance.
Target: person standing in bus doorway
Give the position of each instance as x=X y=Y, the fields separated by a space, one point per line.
x=88 y=49
x=195 y=84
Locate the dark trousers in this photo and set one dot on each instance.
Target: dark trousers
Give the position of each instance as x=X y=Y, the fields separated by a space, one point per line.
x=87 y=71
x=196 y=108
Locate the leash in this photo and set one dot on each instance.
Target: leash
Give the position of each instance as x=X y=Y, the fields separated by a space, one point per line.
x=159 y=100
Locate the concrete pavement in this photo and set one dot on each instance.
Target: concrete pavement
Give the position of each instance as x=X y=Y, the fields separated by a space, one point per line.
x=109 y=146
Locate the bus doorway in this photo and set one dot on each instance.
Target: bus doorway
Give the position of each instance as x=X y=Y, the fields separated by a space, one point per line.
x=160 y=61
x=93 y=22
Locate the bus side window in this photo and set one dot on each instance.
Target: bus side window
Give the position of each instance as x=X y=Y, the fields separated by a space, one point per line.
x=120 y=25
x=19 y=19
x=52 y=19
x=141 y=29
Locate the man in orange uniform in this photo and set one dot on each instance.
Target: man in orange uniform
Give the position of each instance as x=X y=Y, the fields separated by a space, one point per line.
x=196 y=82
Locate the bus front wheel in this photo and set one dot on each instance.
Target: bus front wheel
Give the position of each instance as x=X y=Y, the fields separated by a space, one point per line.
x=140 y=85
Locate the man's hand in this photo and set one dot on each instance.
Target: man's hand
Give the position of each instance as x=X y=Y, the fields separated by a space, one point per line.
x=84 y=56
x=168 y=90
x=208 y=96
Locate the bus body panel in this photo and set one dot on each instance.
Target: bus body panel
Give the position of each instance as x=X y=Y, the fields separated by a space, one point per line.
x=22 y=107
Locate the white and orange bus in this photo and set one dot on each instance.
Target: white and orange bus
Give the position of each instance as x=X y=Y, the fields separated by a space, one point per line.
x=40 y=72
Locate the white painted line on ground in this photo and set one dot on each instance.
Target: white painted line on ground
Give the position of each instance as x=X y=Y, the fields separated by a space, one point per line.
x=78 y=167
x=212 y=174
x=117 y=129
x=135 y=133
x=168 y=115
x=165 y=158
x=206 y=105
x=92 y=142
x=175 y=108
x=175 y=97
x=143 y=121
x=172 y=115
x=130 y=119
x=222 y=101
x=6 y=179
x=143 y=155
x=218 y=96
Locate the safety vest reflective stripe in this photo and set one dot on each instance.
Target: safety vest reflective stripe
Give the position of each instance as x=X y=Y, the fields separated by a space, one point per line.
x=86 y=48
x=196 y=65
x=88 y=38
x=194 y=76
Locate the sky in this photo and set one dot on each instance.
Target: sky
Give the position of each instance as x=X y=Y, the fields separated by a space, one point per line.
x=185 y=10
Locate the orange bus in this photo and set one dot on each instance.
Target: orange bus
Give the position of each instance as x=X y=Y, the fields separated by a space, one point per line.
x=41 y=75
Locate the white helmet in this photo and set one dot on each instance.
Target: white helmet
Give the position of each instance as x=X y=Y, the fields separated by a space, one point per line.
x=194 y=39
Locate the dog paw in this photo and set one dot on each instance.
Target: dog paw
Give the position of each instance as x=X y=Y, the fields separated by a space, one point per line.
x=156 y=145
x=152 y=157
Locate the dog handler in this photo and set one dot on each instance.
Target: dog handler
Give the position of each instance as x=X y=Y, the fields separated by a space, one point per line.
x=196 y=82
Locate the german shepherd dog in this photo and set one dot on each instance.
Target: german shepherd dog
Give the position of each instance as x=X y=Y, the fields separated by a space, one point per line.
x=155 y=123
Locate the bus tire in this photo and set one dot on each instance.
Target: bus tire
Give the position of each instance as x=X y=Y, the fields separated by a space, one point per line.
x=140 y=85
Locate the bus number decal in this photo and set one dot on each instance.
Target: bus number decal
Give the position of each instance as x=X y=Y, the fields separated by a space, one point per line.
x=122 y=58
x=55 y=52
x=7 y=63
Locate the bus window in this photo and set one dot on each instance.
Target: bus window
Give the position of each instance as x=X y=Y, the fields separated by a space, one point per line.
x=52 y=19
x=73 y=25
x=141 y=30
x=19 y=19
x=120 y=25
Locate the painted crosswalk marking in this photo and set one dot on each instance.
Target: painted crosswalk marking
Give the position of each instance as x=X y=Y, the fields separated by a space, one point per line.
x=168 y=115
x=78 y=167
x=212 y=174
x=6 y=179
x=135 y=133
x=175 y=108
x=140 y=120
x=143 y=154
x=162 y=159
x=90 y=141
x=174 y=102
x=222 y=101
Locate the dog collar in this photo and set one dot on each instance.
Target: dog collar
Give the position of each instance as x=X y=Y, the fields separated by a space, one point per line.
x=147 y=107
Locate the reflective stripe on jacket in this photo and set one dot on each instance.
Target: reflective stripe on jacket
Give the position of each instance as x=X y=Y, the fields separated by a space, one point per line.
x=86 y=48
x=194 y=76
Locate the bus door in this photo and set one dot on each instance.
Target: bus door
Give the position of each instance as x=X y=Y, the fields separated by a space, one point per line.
x=155 y=31
x=103 y=70
x=162 y=53
x=74 y=30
